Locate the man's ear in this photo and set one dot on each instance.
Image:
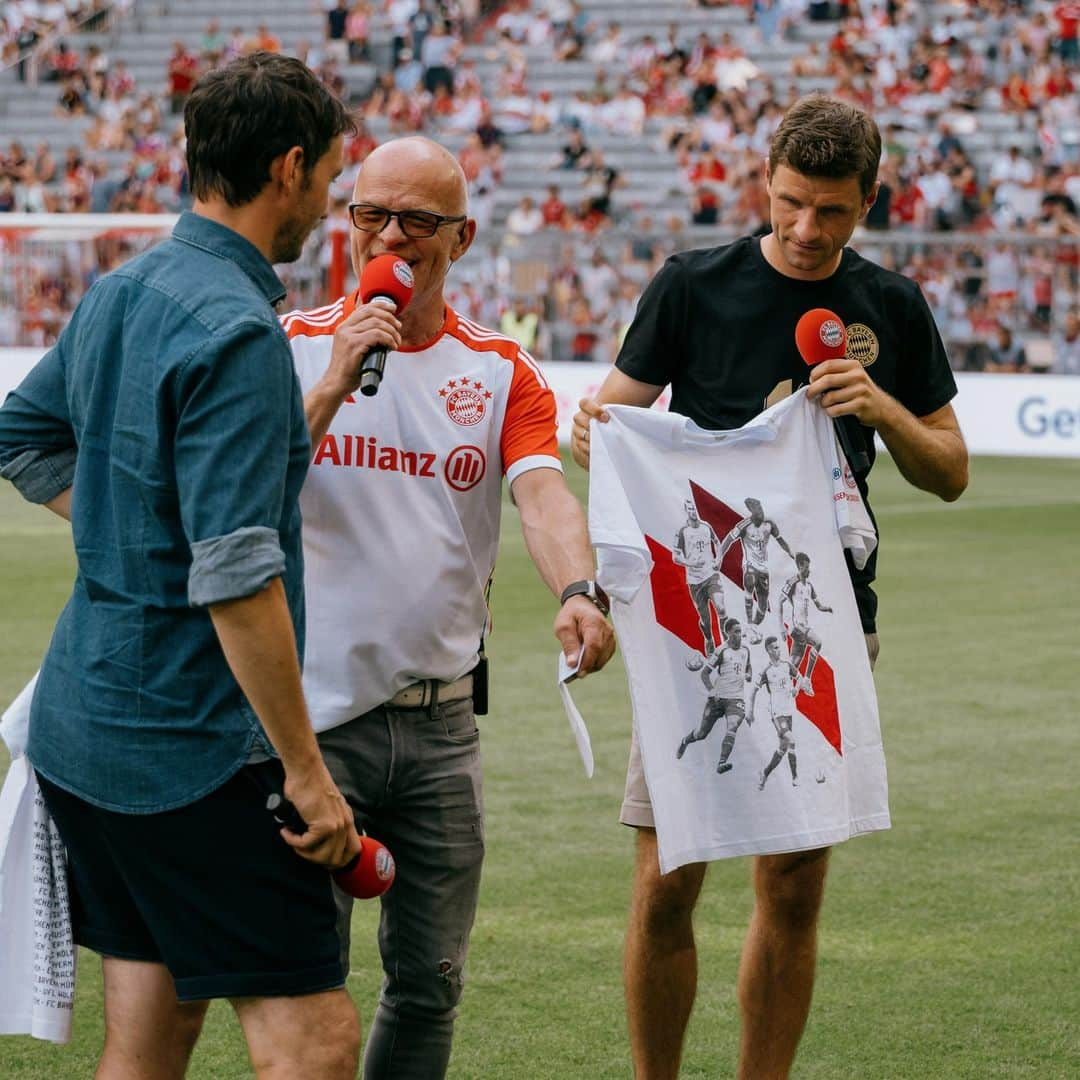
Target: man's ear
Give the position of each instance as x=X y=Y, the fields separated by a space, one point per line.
x=464 y=240
x=870 y=199
x=288 y=169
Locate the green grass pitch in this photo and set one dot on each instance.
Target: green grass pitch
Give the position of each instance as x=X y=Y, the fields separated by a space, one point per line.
x=949 y=945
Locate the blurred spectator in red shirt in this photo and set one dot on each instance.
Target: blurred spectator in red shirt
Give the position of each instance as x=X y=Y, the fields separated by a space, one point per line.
x=1068 y=20
x=553 y=209
x=183 y=71
x=357 y=30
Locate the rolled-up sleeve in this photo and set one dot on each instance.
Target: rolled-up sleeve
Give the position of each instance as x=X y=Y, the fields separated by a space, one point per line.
x=240 y=564
x=37 y=442
x=234 y=402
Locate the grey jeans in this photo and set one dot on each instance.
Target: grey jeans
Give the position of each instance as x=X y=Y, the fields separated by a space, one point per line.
x=412 y=777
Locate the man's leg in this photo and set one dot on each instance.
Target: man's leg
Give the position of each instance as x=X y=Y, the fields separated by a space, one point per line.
x=734 y=718
x=776 y=974
x=708 y=721
x=149 y=1034
x=433 y=825
x=296 y=1038
x=660 y=961
x=701 y=603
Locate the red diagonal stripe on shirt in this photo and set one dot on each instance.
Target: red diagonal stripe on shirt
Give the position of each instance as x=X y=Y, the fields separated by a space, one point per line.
x=821 y=709
x=675 y=610
x=723 y=519
x=676 y=613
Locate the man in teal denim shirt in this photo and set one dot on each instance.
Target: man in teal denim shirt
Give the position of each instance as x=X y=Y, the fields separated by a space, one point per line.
x=167 y=425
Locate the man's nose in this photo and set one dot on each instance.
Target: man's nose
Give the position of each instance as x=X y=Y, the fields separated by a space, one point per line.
x=807 y=229
x=391 y=234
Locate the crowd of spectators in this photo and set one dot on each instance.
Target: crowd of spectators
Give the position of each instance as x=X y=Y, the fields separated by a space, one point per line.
x=707 y=102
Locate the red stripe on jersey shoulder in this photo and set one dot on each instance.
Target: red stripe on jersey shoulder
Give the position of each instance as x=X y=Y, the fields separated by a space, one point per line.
x=480 y=339
x=318 y=321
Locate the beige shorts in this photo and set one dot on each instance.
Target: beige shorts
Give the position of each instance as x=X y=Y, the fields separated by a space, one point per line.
x=636 y=808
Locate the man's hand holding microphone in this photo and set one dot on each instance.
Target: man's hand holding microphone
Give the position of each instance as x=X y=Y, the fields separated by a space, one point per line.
x=362 y=340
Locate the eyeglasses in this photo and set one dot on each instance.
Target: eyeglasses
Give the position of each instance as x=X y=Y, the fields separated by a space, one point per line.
x=415 y=224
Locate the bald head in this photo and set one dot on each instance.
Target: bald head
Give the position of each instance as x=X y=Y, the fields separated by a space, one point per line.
x=416 y=169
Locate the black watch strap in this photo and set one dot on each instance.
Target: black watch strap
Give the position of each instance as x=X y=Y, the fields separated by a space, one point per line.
x=591 y=591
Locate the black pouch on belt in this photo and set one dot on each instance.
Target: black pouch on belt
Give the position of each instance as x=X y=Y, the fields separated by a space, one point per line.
x=480 y=686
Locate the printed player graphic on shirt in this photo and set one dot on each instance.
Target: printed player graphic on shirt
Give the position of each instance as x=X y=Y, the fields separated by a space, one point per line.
x=773 y=494
x=755 y=532
x=724 y=674
x=697 y=548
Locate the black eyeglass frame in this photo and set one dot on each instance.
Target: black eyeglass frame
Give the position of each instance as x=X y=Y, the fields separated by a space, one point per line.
x=440 y=220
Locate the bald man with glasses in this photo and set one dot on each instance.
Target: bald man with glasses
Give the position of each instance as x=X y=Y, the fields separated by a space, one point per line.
x=401 y=515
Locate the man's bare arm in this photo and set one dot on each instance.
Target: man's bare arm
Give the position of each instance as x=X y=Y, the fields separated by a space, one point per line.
x=256 y=635
x=61 y=504
x=928 y=450
x=553 y=524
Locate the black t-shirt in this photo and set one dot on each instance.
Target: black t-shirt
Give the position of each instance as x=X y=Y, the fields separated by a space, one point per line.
x=718 y=325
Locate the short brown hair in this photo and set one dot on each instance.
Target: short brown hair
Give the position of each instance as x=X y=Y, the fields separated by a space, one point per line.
x=820 y=136
x=239 y=117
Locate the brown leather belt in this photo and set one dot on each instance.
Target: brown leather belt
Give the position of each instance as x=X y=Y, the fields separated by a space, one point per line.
x=419 y=695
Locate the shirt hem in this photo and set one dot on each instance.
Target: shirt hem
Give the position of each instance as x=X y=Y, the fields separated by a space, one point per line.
x=773 y=845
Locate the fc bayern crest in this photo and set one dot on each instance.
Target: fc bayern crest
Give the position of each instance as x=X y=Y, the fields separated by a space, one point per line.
x=832 y=333
x=466 y=401
x=403 y=272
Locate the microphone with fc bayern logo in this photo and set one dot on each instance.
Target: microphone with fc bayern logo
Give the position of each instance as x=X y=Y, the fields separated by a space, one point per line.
x=386 y=280
x=821 y=335
x=369 y=873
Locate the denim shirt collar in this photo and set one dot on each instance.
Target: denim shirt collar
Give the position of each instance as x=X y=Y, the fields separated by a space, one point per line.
x=201 y=232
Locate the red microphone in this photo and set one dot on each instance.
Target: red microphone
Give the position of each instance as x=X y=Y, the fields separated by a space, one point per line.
x=367 y=874
x=821 y=335
x=385 y=280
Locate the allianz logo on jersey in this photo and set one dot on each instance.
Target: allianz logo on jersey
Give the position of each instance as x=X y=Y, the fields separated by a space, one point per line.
x=463 y=468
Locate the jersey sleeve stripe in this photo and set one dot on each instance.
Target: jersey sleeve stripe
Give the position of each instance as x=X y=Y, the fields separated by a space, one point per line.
x=533 y=461
x=315 y=315
x=314 y=323
x=533 y=366
x=481 y=334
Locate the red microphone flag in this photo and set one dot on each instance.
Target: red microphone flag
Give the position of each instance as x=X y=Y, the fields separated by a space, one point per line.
x=820 y=335
x=389 y=276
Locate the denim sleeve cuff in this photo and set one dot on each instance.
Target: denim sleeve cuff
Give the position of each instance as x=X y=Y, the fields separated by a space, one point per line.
x=232 y=566
x=40 y=475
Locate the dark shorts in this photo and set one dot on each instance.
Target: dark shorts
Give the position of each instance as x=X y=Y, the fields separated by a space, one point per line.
x=702 y=592
x=756 y=583
x=209 y=890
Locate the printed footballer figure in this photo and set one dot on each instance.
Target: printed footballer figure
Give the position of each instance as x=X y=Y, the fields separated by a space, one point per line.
x=730 y=664
x=799 y=593
x=755 y=532
x=695 y=548
x=782 y=679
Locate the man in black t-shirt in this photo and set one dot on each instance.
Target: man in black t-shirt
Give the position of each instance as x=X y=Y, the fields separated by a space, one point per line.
x=718 y=326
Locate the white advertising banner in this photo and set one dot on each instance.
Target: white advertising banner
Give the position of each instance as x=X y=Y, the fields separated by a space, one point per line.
x=1010 y=415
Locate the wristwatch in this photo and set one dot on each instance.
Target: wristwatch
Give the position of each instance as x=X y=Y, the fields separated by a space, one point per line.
x=591 y=591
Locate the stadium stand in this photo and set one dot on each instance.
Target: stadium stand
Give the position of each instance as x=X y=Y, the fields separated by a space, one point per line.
x=634 y=127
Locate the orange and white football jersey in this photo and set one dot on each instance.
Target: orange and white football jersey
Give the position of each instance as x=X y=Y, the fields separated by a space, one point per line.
x=402 y=503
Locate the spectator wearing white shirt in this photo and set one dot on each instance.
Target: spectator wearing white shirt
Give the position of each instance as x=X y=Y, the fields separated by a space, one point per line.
x=598 y=283
x=437 y=55
x=514 y=21
x=1067 y=346
x=525 y=219
x=624 y=114
x=609 y=48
